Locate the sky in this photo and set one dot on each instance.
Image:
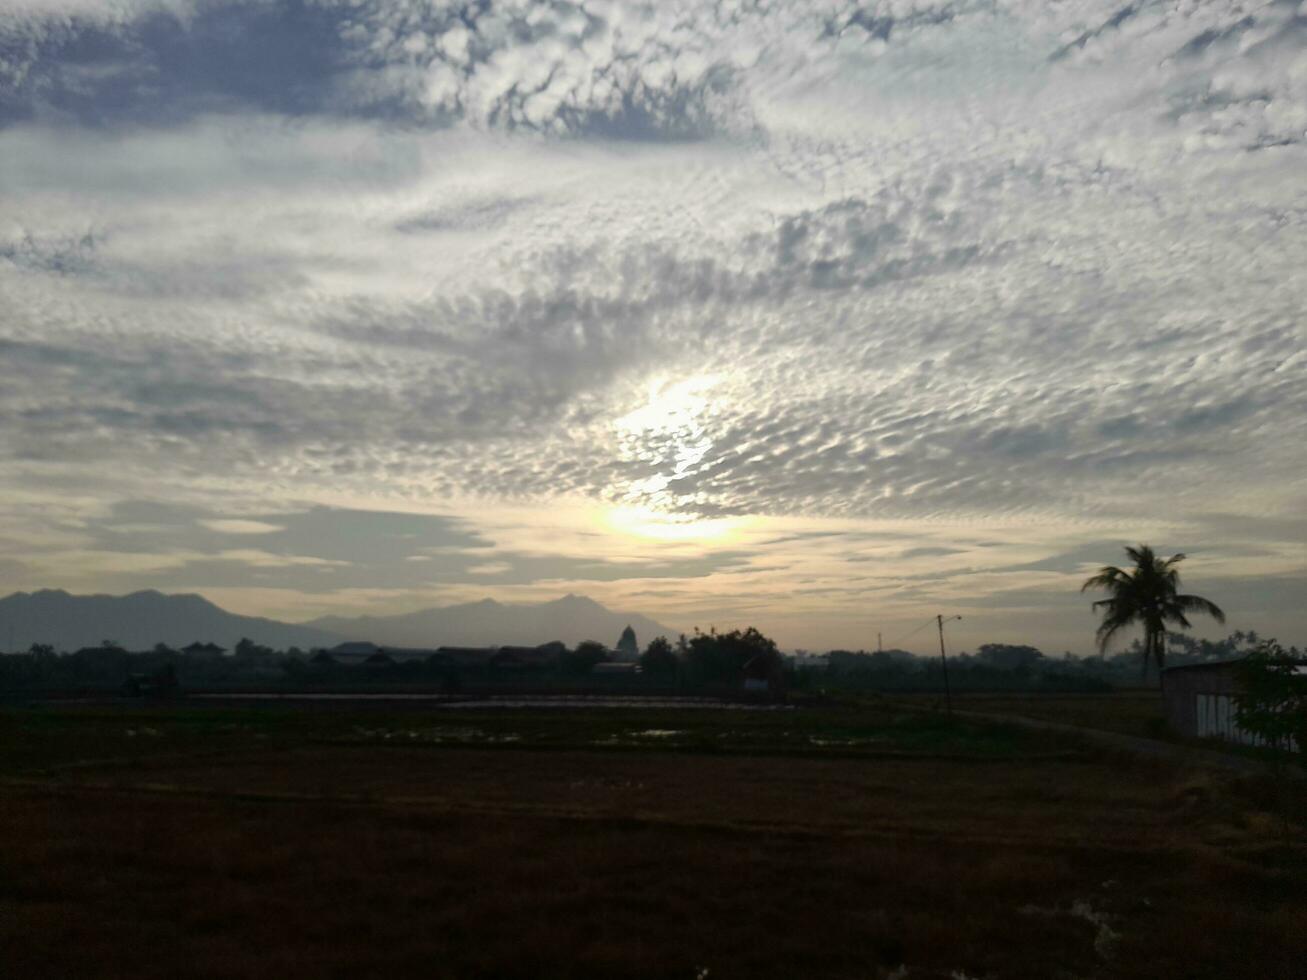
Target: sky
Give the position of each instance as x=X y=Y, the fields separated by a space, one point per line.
x=819 y=316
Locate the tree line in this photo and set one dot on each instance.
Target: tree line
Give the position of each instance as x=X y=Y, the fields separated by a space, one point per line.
x=701 y=659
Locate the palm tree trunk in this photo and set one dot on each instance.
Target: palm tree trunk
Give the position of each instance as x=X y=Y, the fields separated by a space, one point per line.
x=1156 y=638
x=1149 y=640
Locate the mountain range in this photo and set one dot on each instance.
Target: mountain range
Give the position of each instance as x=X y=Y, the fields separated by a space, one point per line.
x=140 y=620
x=137 y=622
x=571 y=619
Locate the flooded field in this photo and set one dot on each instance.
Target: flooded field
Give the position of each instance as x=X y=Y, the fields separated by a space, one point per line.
x=454 y=702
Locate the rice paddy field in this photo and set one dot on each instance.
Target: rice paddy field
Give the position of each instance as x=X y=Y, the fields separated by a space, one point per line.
x=1127 y=712
x=390 y=840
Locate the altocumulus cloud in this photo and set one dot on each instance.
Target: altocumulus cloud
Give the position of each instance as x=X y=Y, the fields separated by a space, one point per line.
x=911 y=261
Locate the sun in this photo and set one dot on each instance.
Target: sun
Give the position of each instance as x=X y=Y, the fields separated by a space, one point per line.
x=672 y=407
x=668 y=437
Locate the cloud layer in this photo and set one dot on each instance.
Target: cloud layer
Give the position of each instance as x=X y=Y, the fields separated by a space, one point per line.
x=944 y=263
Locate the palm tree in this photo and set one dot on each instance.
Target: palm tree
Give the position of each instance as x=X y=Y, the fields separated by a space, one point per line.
x=1147 y=594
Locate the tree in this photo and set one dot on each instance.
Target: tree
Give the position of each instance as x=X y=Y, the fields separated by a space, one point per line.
x=627 y=646
x=247 y=649
x=718 y=657
x=1273 y=700
x=658 y=657
x=1006 y=656
x=1147 y=595
x=583 y=658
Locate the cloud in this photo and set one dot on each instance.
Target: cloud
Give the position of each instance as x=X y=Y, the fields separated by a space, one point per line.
x=490 y=212
x=163 y=62
x=57 y=256
x=639 y=70
x=890 y=402
x=254 y=558
x=627 y=72
x=239 y=526
x=326 y=551
x=935 y=262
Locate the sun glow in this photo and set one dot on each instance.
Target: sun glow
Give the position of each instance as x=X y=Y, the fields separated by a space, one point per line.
x=645 y=522
x=672 y=407
x=668 y=437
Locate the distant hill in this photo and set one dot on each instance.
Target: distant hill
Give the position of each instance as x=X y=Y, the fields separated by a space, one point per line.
x=571 y=619
x=137 y=622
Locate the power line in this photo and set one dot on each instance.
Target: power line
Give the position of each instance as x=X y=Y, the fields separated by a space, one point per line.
x=929 y=622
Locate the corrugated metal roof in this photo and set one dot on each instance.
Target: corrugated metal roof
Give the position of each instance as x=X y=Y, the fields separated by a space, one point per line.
x=1222 y=665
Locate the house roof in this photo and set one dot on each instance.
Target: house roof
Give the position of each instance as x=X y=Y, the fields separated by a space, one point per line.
x=1220 y=665
x=462 y=656
x=527 y=656
x=1216 y=665
x=354 y=648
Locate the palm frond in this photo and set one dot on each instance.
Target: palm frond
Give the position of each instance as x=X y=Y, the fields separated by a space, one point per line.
x=1196 y=603
x=1142 y=555
x=1146 y=595
x=1173 y=614
x=1107 y=577
x=1116 y=617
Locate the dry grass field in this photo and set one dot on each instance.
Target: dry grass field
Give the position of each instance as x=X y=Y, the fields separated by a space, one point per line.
x=1129 y=712
x=215 y=842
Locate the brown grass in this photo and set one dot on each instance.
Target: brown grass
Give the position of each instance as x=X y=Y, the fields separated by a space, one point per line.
x=1130 y=712
x=351 y=861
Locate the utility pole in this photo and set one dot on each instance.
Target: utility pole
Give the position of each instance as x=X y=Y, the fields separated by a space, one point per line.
x=943 y=659
x=879 y=647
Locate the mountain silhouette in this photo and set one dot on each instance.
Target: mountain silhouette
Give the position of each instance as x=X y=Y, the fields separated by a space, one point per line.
x=140 y=620
x=571 y=619
x=137 y=622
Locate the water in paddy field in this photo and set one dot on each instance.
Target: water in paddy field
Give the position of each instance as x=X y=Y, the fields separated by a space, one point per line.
x=543 y=701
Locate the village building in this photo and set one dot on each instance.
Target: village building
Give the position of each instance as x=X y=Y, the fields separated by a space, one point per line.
x=461 y=658
x=1202 y=701
x=526 y=658
x=348 y=653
